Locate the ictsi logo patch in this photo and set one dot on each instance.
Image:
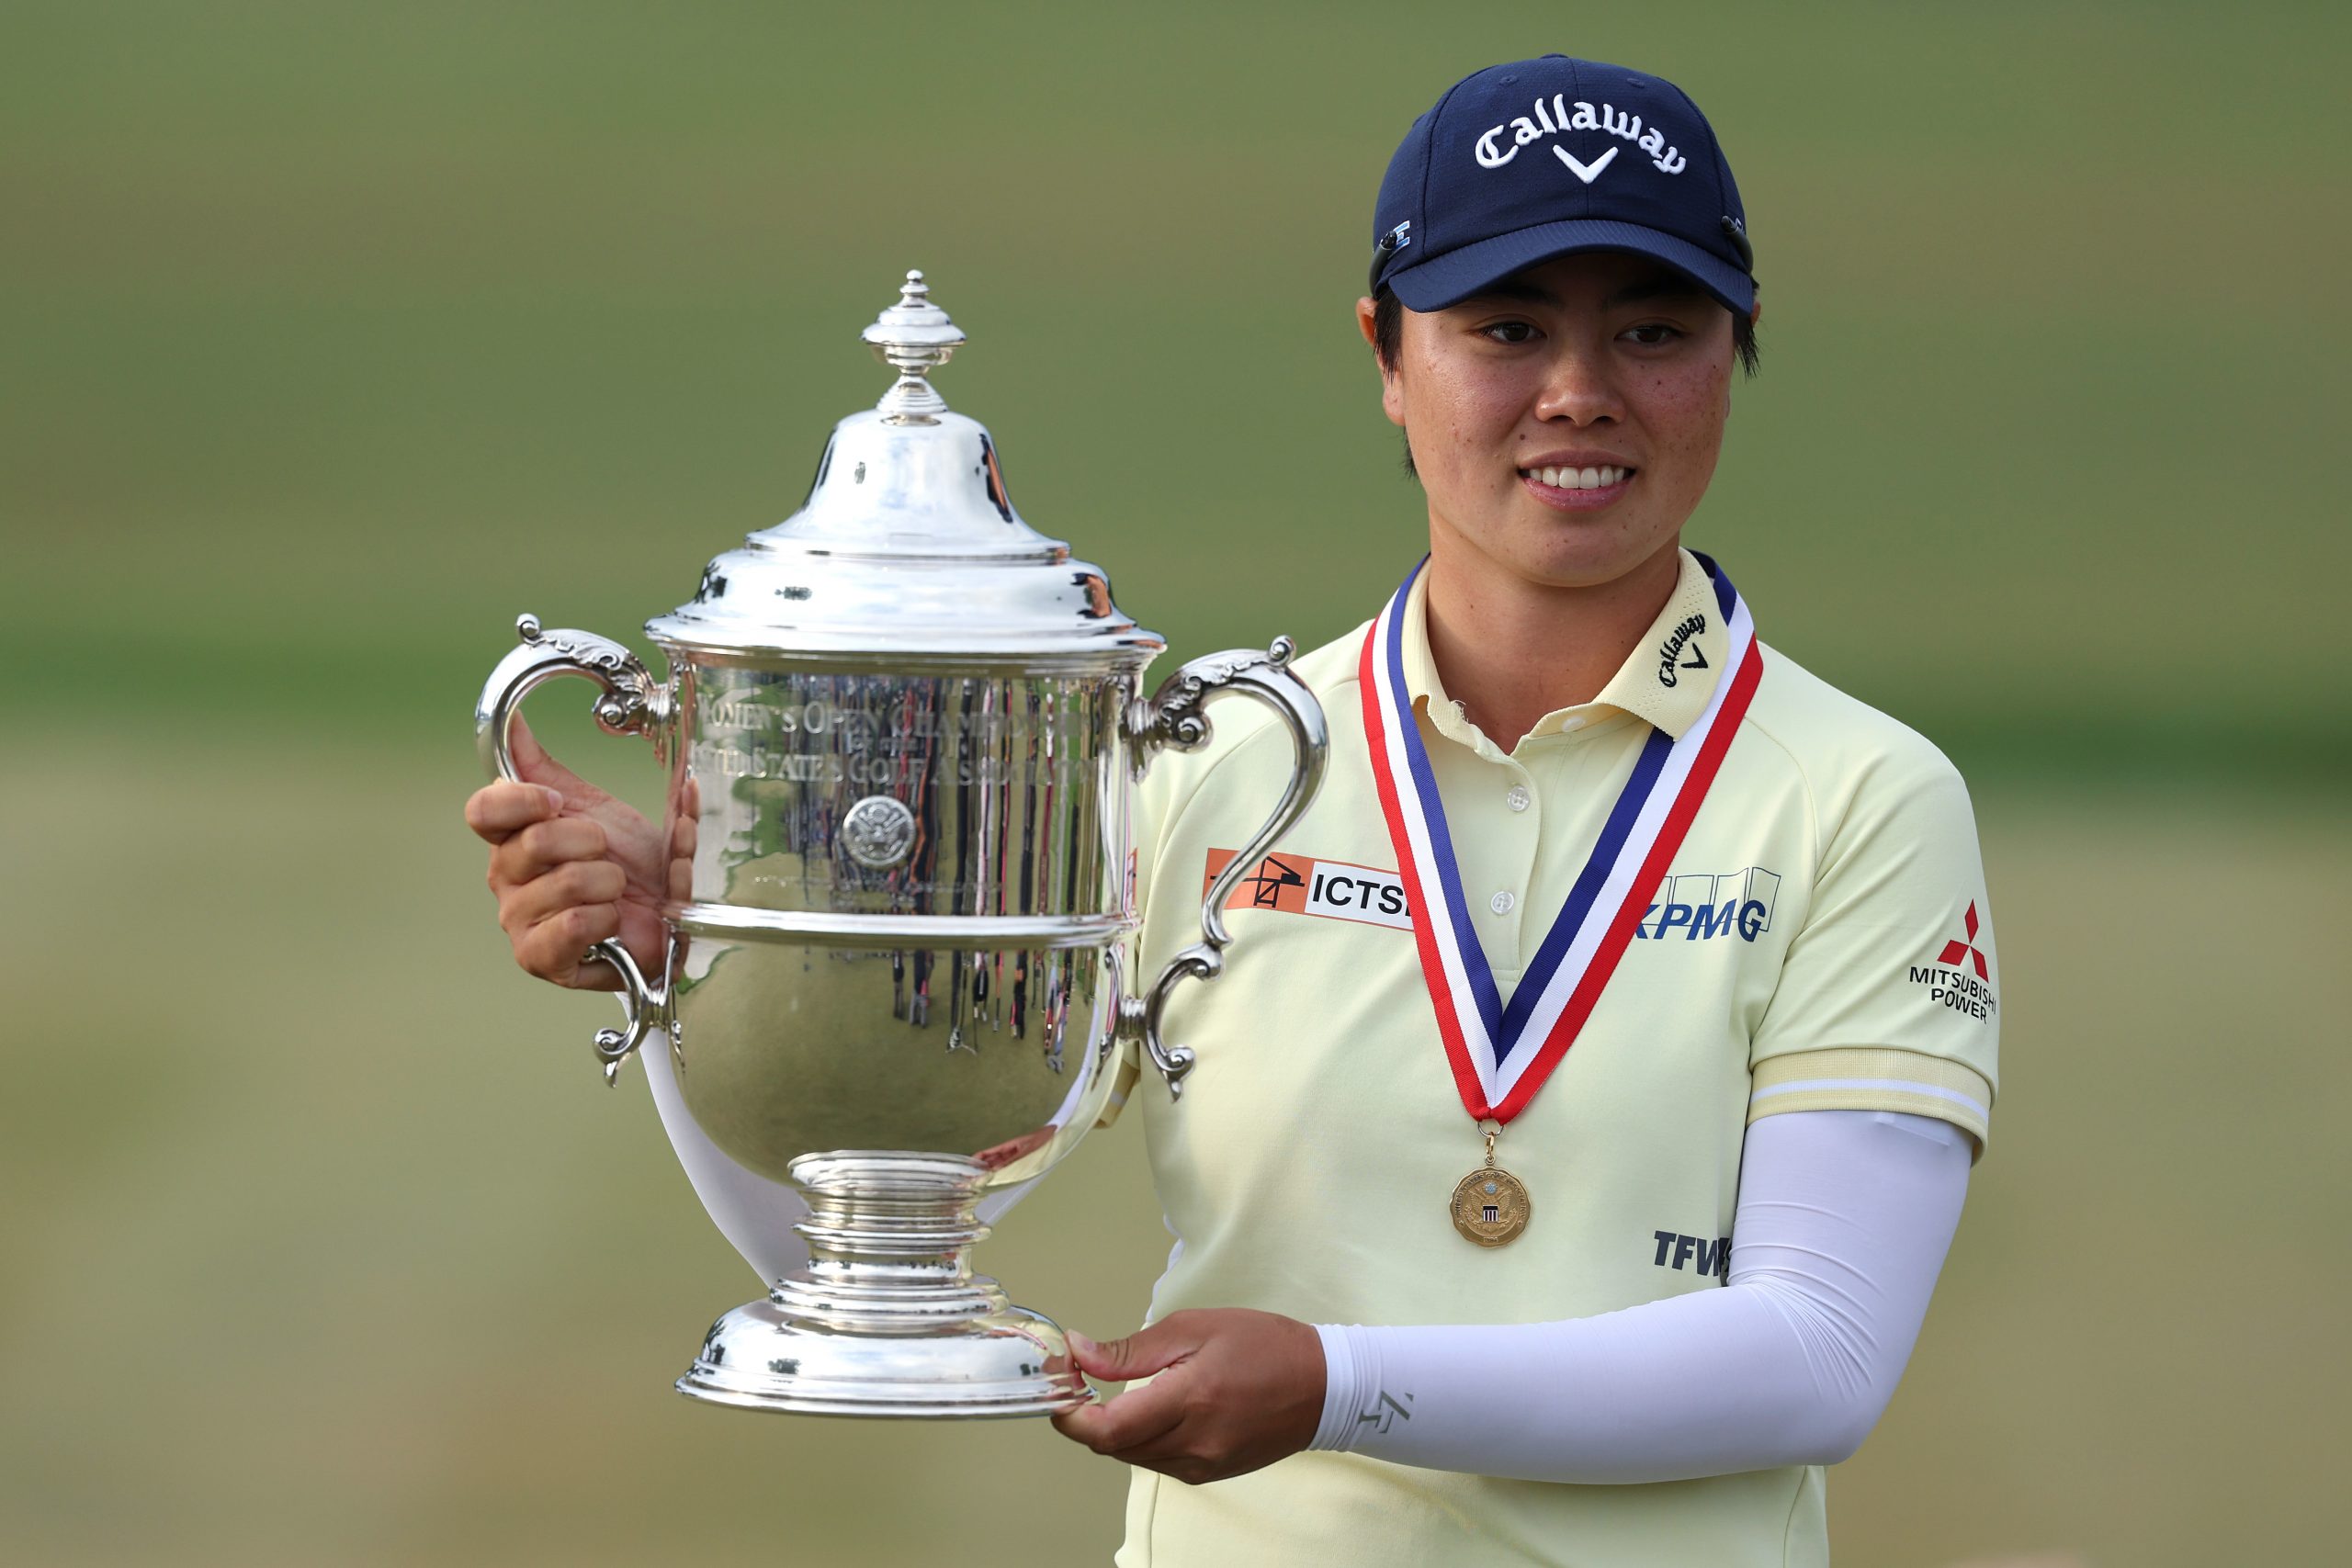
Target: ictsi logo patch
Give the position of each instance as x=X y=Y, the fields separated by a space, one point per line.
x=1331 y=889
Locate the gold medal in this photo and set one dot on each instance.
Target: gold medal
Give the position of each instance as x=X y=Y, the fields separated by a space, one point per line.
x=1490 y=1204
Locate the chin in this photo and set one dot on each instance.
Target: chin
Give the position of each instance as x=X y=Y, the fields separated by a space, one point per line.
x=1588 y=562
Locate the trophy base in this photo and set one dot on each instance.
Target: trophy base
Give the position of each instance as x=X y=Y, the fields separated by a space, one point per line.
x=889 y=1318
x=1010 y=1362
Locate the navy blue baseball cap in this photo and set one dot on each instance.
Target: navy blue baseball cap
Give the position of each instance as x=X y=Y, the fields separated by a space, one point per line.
x=1540 y=158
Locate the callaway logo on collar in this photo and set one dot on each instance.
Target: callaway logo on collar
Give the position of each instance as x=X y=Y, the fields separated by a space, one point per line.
x=1540 y=158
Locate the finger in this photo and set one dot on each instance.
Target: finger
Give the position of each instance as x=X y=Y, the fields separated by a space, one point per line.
x=553 y=949
x=1172 y=1454
x=1201 y=1445
x=570 y=885
x=679 y=878
x=1132 y=1420
x=644 y=935
x=496 y=812
x=541 y=847
x=1140 y=1354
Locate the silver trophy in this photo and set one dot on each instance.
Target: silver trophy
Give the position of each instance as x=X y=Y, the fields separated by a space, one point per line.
x=901 y=730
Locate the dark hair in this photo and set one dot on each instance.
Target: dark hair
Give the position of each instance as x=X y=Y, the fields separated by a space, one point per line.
x=1388 y=342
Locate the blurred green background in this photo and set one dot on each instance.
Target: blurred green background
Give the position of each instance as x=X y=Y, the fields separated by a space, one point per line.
x=331 y=336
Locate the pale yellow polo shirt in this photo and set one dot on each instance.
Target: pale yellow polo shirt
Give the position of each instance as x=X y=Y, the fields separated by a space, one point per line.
x=1816 y=944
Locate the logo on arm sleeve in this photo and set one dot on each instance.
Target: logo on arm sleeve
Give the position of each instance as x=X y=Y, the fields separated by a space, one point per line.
x=1386 y=1412
x=1960 y=978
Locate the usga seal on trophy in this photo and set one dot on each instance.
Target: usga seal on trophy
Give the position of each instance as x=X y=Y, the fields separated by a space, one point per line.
x=902 y=731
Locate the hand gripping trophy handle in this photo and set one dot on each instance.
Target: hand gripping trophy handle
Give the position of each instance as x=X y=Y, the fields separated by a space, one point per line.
x=1175 y=717
x=633 y=703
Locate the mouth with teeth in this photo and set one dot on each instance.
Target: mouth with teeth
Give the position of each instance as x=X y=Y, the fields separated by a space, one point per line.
x=1578 y=490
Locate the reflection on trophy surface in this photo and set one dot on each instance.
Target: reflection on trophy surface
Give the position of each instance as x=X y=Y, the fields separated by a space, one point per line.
x=901 y=730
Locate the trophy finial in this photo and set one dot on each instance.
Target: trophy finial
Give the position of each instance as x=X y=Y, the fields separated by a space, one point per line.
x=913 y=337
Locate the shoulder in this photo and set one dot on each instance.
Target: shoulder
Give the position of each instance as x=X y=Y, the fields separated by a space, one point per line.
x=1857 y=765
x=1828 y=733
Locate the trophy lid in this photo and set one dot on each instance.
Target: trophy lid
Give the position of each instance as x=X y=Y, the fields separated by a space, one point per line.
x=907 y=543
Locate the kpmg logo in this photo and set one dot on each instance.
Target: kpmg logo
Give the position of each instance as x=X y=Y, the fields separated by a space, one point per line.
x=1702 y=907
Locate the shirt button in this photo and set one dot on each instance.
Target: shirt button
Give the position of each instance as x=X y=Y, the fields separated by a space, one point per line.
x=1500 y=903
x=1518 y=797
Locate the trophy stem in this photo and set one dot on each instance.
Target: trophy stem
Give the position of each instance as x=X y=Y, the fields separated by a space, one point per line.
x=888 y=1318
x=889 y=1241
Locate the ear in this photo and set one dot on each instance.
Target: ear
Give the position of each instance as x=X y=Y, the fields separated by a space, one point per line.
x=1392 y=397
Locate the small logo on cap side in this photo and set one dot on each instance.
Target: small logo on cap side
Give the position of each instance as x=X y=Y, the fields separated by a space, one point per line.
x=1736 y=233
x=1396 y=239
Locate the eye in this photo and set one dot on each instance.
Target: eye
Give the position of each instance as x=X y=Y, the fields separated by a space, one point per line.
x=1509 y=332
x=1654 y=334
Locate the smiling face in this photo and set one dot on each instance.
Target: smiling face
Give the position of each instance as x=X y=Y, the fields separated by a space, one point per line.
x=1566 y=423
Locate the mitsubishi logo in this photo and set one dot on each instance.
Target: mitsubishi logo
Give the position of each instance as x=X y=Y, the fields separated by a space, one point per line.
x=1953 y=951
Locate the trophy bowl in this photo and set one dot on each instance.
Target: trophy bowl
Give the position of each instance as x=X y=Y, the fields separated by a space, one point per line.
x=902 y=731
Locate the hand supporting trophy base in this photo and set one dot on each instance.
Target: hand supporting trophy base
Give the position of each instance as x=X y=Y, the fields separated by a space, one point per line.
x=902 y=731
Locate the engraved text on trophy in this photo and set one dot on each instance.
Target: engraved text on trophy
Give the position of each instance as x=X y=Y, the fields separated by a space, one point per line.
x=1001 y=782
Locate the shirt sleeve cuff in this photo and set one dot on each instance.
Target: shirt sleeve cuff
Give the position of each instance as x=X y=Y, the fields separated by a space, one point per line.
x=1873 y=1079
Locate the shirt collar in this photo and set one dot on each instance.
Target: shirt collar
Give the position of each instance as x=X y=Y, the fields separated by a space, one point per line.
x=1665 y=681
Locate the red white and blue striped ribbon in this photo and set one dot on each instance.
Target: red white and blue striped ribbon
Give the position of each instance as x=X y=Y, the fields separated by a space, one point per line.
x=1501 y=1054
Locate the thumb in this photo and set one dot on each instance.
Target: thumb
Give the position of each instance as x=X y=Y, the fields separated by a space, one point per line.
x=531 y=761
x=1140 y=1354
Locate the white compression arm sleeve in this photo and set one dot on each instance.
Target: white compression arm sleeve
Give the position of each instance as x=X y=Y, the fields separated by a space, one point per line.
x=755 y=1213
x=1843 y=1223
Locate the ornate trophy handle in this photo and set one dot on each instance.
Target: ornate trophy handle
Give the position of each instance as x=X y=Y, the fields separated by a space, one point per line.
x=1175 y=717
x=633 y=703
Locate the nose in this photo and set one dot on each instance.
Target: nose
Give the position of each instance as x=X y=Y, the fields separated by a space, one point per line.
x=1581 y=388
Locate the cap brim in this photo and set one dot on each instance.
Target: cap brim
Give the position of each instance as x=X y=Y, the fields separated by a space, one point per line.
x=1455 y=275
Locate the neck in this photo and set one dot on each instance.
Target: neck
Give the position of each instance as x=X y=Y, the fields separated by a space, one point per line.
x=1510 y=651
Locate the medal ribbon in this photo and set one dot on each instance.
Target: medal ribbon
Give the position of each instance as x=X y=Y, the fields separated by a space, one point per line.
x=1501 y=1054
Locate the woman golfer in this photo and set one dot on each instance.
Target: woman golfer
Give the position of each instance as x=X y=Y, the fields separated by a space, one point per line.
x=1573 y=1145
